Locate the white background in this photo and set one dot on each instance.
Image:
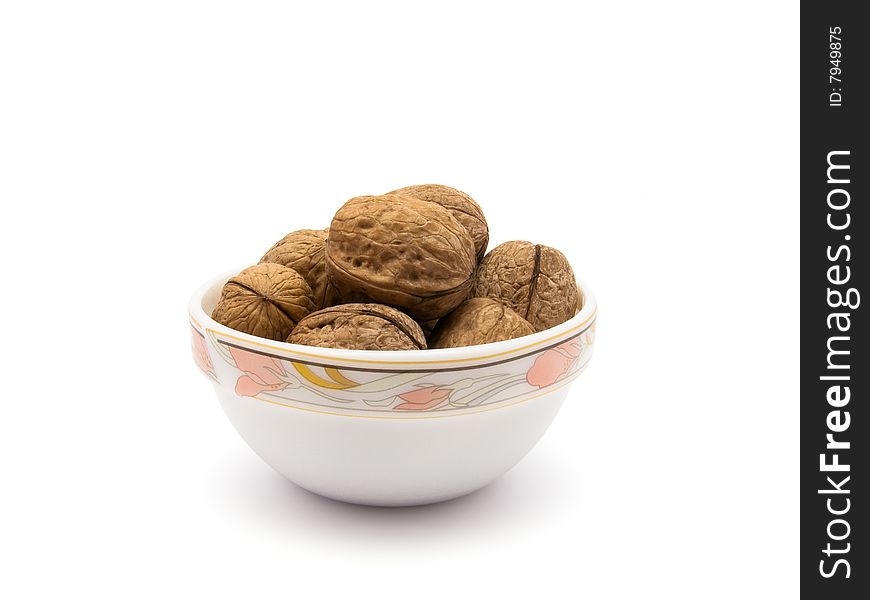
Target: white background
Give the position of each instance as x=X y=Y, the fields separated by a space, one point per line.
x=146 y=147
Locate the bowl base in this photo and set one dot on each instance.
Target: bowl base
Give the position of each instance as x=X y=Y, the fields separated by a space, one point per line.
x=390 y=462
x=384 y=503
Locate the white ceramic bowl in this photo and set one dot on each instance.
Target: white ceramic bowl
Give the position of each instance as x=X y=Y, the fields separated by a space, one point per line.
x=390 y=428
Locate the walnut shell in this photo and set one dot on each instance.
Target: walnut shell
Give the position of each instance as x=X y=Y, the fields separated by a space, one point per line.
x=479 y=321
x=461 y=206
x=265 y=300
x=534 y=280
x=400 y=251
x=303 y=251
x=359 y=327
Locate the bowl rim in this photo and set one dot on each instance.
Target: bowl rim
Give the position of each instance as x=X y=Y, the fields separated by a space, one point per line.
x=585 y=317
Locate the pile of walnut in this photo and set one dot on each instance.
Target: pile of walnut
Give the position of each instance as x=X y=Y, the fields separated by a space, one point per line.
x=392 y=267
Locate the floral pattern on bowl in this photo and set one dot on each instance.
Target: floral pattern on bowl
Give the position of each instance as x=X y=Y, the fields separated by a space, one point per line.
x=276 y=375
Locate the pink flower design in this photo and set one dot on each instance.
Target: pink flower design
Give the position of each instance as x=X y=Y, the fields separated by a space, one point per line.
x=424 y=397
x=200 y=353
x=262 y=373
x=553 y=364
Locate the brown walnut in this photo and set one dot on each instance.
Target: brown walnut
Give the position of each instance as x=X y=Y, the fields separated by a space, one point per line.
x=535 y=281
x=359 y=327
x=303 y=251
x=265 y=300
x=461 y=206
x=400 y=251
x=479 y=321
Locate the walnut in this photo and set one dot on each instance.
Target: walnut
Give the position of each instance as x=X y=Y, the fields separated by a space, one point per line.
x=359 y=327
x=479 y=321
x=461 y=206
x=303 y=251
x=265 y=300
x=534 y=280
x=400 y=251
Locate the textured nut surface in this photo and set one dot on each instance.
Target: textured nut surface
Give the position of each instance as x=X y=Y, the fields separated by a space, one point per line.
x=400 y=251
x=359 y=327
x=303 y=251
x=265 y=300
x=462 y=206
x=479 y=321
x=535 y=281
